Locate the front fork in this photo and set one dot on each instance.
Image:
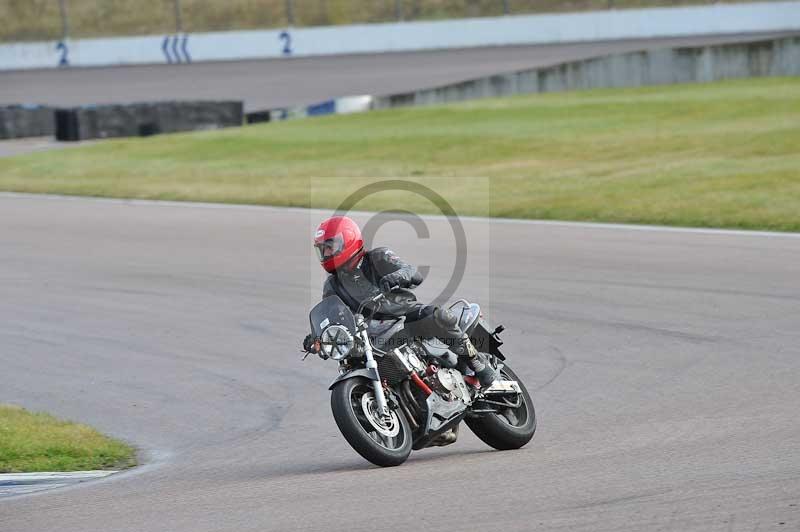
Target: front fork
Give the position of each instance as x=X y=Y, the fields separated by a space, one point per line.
x=380 y=397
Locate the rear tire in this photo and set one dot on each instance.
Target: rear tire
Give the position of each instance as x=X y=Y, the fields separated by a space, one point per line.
x=385 y=445
x=510 y=430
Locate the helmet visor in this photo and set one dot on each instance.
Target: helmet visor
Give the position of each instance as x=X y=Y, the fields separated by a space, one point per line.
x=329 y=248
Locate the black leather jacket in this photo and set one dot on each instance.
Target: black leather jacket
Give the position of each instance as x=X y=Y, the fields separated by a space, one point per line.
x=364 y=282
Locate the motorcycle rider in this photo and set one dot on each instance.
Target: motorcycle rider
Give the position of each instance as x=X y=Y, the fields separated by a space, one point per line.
x=357 y=274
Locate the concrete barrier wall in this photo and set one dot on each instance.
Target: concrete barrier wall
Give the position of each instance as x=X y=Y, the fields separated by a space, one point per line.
x=406 y=36
x=780 y=57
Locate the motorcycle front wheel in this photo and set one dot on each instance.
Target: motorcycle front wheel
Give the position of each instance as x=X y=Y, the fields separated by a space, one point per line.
x=384 y=442
x=509 y=428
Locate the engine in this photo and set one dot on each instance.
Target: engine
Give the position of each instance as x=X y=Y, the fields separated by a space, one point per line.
x=449 y=383
x=403 y=362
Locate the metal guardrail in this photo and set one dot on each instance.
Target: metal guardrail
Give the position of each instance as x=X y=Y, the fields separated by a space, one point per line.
x=30 y=20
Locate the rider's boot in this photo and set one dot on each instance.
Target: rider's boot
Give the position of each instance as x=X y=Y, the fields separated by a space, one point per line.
x=484 y=371
x=447 y=328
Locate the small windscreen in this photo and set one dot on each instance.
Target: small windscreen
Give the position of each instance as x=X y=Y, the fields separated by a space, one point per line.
x=331 y=311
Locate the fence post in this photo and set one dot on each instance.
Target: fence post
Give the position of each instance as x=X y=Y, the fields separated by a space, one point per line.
x=178 y=21
x=506 y=8
x=62 y=8
x=289 y=12
x=398 y=10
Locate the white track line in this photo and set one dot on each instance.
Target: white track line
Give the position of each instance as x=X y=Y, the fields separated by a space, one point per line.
x=262 y=208
x=21 y=483
x=51 y=476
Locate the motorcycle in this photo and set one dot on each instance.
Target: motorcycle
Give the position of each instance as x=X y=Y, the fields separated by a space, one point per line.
x=395 y=394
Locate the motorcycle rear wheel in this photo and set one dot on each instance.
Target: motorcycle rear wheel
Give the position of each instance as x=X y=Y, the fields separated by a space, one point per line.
x=383 y=443
x=509 y=428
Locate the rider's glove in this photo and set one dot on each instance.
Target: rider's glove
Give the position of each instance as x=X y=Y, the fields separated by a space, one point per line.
x=308 y=344
x=388 y=282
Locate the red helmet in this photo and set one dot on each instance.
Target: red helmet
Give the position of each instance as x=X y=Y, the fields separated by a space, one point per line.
x=337 y=241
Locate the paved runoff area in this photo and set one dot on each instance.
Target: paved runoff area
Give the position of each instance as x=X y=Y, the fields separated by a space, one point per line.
x=664 y=365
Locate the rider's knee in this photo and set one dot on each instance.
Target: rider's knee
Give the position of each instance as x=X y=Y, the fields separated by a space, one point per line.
x=444 y=318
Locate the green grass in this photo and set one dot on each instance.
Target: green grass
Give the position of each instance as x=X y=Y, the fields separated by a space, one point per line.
x=32 y=442
x=715 y=155
x=40 y=19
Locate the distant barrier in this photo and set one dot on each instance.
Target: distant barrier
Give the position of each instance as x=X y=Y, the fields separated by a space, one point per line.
x=779 y=57
x=19 y=121
x=775 y=57
x=182 y=48
x=144 y=119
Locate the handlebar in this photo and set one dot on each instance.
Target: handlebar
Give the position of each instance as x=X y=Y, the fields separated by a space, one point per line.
x=366 y=302
x=375 y=299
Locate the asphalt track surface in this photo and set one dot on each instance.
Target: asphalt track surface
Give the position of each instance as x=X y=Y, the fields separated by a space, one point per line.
x=665 y=367
x=275 y=83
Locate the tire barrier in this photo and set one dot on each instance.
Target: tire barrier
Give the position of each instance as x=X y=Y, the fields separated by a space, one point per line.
x=19 y=121
x=145 y=119
x=258 y=117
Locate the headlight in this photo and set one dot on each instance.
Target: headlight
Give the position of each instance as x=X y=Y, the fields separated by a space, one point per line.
x=336 y=342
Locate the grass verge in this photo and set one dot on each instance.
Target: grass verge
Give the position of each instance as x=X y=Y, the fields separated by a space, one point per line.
x=712 y=155
x=31 y=442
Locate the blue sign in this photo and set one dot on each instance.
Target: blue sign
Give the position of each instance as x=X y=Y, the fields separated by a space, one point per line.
x=287 y=42
x=176 y=49
x=64 y=59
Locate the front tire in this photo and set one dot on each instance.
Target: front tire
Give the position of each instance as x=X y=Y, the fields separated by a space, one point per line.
x=383 y=443
x=510 y=428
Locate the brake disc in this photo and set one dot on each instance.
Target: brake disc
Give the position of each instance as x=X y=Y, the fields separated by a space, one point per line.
x=388 y=427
